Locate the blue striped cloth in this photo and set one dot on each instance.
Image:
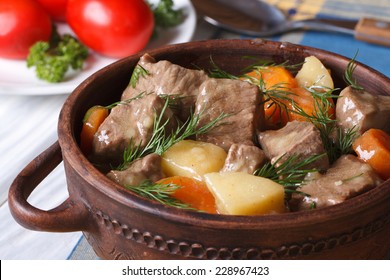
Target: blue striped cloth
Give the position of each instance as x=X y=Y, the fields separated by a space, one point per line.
x=375 y=56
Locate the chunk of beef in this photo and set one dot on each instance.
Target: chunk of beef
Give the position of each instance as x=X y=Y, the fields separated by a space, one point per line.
x=166 y=78
x=128 y=122
x=239 y=99
x=244 y=158
x=301 y=139
x=348 y=177
x=146 y=168
x=363 y=110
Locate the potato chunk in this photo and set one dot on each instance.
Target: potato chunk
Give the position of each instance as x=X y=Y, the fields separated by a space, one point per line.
x=193 y=159
x=314 y=73
x=239 y=193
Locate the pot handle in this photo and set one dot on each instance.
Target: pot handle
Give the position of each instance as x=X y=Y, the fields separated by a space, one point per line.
x=68 y=216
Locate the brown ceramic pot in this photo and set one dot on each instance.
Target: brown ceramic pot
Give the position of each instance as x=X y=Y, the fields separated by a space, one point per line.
x=121 y=225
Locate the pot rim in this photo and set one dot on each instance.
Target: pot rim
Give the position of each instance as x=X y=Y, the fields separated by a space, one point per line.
x=72 y=153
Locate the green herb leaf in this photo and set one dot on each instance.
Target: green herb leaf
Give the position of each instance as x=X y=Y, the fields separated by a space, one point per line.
x=342 y=144
x=138 y=72
x=216 y=72
x=127 y=101
x=161 y=193
x=53 y=59
x=348 y=75
x=336 y=142
x=290 y=173
x=165 y=15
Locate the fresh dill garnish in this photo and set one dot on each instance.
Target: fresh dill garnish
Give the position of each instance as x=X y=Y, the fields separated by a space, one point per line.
x=343 y=143
x=160 y=141
x=346 y=140
x=264 y=63
x=216 y=72
x=278 y=94
x=135 y=151
x=138 y=72
x=290 y=173
x=336 y=142
x=160 y=192
x=174 y=100
x=112 y=105
x=348 y=75
x=321 y=117
x=127 y=101
x=186 y=130
x=352 y=178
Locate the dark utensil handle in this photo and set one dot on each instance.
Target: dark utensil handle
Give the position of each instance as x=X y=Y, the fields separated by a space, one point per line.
x=68 y=216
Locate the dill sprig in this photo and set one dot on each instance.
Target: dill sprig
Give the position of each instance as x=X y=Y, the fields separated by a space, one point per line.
x=186 y=130
x=348 y=75
x=112 y=105
x=278 y=95
x=174 y=100
x=322 y=106
x=342 y=144
x=289 y=173
x=351 y=178
x=127 y=101
x=160 y=141
x=263 y=64
x=216 y=72
x=134 y=151
x=336 y=142
x=138 y=72
x=325 y=122
x=159 y=192
x=346 y=139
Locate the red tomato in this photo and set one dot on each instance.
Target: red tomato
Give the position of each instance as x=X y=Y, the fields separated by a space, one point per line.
x=55 y=8
x=115 y=28
x=22 y=23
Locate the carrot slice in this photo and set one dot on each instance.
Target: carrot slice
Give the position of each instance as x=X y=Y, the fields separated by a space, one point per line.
x=276 y=113
x=276 y=81
x=373 y=147
x=192 y=192
x=92 y=120
x=274 y=77
x=304 y=100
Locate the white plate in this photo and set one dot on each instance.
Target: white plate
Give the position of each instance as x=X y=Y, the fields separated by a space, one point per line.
x=16 y=78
